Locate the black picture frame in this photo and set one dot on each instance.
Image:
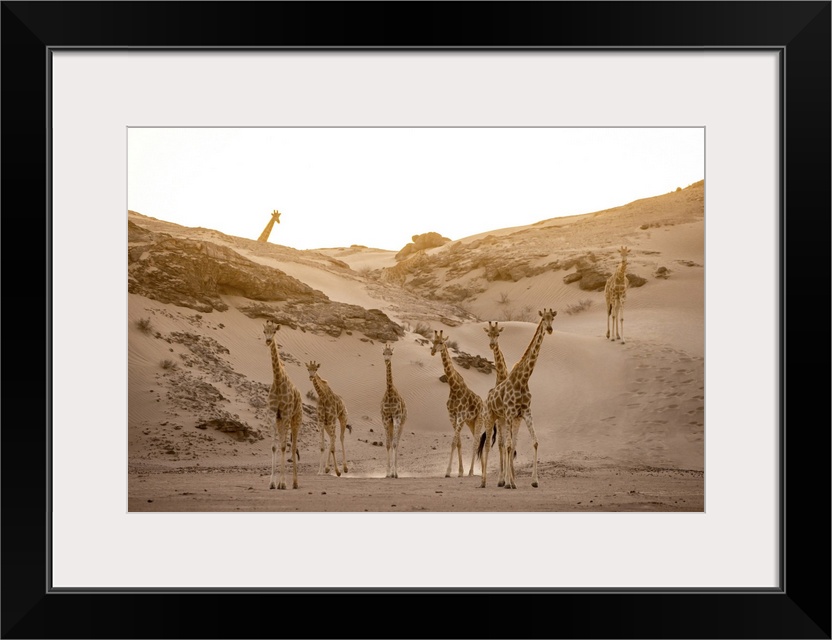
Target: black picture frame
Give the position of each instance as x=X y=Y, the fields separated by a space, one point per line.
x=799 y=608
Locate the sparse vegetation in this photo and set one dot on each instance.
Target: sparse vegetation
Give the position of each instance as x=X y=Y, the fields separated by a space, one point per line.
x=453 y=344
x=144 y=325
x=169 y=365
x=504 y=299
x=583 y=305
x=423 y=330
x=312 y=396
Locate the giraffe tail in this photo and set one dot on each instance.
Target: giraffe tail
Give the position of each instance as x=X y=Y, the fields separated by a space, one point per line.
x=482 y=441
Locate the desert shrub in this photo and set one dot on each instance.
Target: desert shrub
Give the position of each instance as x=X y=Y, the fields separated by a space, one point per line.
x=453 y=344
x=144 y=325
x=504 y=299
x=311 y=395
x=169 y=364
x=583 y=305
x=423 y=330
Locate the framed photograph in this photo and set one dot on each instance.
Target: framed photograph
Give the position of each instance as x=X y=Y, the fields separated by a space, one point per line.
x=137 y=122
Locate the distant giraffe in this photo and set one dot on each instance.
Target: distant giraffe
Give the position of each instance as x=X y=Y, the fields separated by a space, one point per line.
x=393 y=416
x=615 y=293
x=285 y=401
x=268 y=230
x=464 y=406
x=510 y=402
x=330 y=409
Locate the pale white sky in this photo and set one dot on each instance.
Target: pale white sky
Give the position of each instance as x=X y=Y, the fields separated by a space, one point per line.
x=379 y=186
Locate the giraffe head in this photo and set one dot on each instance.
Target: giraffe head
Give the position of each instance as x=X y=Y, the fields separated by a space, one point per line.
x=312 y=368
x=623 y=251
x=438 y=341
x=268 y=331
x=493 y=332
x=547 y=315
x=388 y=352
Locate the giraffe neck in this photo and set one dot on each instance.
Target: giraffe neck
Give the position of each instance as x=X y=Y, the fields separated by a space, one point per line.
x=320 y=385
x=277 y=366
x=522 y=371
x=389 y=374
x=450 y=372
x=499 y=363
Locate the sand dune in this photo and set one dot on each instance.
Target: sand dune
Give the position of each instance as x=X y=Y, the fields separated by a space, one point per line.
x=602 y=410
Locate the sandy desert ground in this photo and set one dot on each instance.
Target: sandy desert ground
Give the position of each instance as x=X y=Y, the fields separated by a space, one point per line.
x=620 y=425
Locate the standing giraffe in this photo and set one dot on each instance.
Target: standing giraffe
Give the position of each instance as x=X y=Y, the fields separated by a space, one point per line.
x=493 y=332
x=510 y=401
x=464 y=406
x=615 y=293
x=268 y=229
x=285 y=401
x=330 y=409
x=393 y=416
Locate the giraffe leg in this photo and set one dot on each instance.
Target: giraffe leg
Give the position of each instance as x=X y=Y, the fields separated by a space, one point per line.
x=621 y=313
x=389 y=431
x=489 y=427
x=512 y=445
x=476 y=427
x=323 y=450
x=274 y=457
x=453 y=444
x=397 y=425
x=458 y=439
x=529 y=423
x=295 y=430
x=508 y=449
x=332 y=451
x=343 y=450
x=282 y=483
x=501 y=443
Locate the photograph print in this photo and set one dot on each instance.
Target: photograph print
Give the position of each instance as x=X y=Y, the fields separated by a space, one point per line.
x=416 y=319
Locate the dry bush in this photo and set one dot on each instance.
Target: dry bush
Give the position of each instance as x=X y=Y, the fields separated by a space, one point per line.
x=583 y=305
x=144 y=325
x=169 y=364
x=423 y=330
x=311 y=395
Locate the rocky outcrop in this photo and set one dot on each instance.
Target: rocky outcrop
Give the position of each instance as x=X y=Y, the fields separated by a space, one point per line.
x=195 y=274
x=330 y=318
x=421 y=242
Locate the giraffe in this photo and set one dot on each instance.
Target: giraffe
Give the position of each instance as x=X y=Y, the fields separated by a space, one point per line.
x=330 y=409
x=615 y=293
x=510 y=401
x=267 y=231
x=464 y=406
x=393 y=415
x=284 y=399
x=493 y=331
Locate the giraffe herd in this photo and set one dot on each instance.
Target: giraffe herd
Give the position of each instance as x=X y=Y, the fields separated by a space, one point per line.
x=496 y=419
